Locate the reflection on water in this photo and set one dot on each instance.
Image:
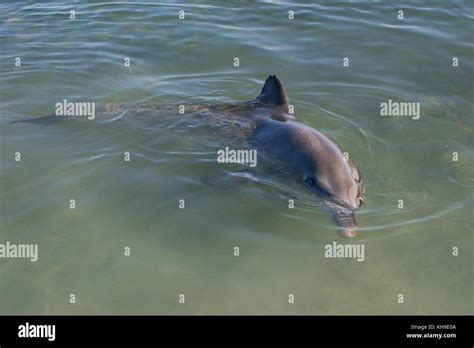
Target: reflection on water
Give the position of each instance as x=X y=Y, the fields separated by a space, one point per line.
x=419 y=201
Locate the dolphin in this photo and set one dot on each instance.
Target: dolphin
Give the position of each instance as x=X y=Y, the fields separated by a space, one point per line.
x=267 y=125
x=316 y=158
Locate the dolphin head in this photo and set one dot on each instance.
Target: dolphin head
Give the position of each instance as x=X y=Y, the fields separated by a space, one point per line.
x=342 y=208
x=342 y=192
x=326 y=172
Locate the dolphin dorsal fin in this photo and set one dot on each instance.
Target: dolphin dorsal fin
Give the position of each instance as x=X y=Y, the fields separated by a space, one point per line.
x=273 y=92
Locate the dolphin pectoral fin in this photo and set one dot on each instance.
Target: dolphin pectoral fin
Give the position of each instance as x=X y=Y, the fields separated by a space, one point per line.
x=273 y=92
x=345 y=218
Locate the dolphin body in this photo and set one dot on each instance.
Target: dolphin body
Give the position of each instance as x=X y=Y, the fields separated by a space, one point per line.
x=266 y=124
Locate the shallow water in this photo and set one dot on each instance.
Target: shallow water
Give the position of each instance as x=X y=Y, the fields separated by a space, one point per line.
x=189 y=251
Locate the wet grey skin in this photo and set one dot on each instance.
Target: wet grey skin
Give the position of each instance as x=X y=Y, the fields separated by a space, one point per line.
x=265 y=124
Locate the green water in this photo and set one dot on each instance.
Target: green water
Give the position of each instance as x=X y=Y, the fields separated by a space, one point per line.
x=190 y=251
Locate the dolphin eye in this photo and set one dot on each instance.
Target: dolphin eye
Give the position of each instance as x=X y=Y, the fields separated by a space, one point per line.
x=311 y=184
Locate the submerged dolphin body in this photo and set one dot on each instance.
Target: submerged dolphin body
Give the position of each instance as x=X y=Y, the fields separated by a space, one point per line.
x=267 y=125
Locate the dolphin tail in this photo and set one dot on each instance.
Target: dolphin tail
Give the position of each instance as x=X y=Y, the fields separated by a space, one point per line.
x=45 y=119
x=344 y=217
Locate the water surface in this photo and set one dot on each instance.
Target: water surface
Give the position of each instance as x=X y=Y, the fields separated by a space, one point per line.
x=189 y=251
